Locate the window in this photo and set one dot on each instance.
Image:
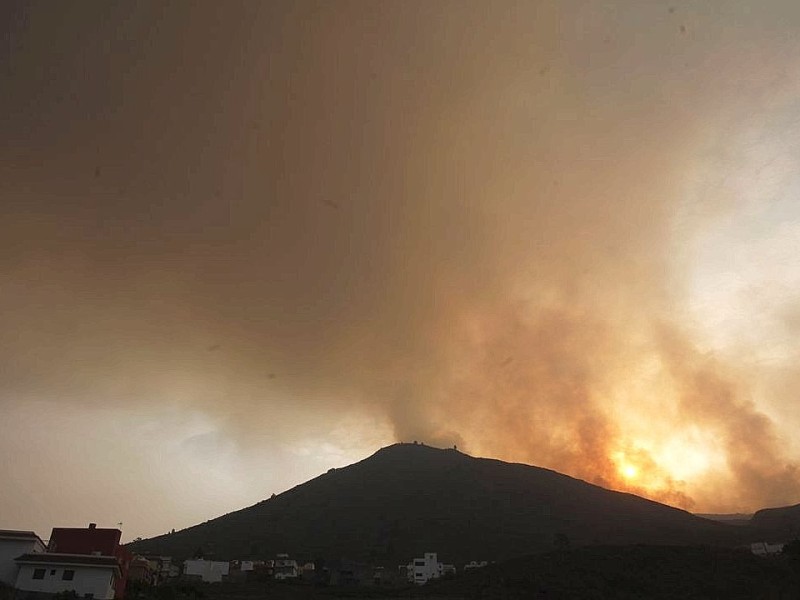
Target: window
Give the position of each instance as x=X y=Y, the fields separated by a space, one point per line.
x=52 y=572
x=38 y=573
x=68 y=575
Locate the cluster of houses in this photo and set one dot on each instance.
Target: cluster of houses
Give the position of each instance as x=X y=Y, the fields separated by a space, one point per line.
x=339 y=572
x=91 y=563
x=766 y=549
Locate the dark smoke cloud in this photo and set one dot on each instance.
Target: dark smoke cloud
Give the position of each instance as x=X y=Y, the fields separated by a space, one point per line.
x=468 y=221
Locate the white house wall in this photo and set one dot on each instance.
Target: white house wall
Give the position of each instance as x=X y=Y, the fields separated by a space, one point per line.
x=98 y=581
x=422 y=570
x=9 y=550
x=208 y=570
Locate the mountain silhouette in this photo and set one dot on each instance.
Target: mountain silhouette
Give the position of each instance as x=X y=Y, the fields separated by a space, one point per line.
x=407 y=499
x=776 y=524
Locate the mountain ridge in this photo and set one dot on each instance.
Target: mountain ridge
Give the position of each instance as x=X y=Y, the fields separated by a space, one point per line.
x=406 y=499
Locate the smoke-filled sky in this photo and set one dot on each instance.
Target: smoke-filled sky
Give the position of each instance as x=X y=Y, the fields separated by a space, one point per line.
x=245 y=242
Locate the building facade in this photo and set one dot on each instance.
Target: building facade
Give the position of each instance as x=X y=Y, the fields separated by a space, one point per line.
x=422 y=570
x=90 y=577
x=12 y=545
x=93 y=541
x=285 y=567
x=209 y=571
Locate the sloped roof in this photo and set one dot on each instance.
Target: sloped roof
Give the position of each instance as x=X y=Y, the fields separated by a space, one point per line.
x=52 y=558
x=19 y=535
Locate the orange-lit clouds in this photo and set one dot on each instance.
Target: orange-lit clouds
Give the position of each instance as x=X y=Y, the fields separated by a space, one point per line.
x=270 y=238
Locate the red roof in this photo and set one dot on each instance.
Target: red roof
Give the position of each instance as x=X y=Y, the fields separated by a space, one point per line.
x=84 y=540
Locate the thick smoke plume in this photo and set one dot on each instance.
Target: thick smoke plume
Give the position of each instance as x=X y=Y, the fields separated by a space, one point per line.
x=472 y=222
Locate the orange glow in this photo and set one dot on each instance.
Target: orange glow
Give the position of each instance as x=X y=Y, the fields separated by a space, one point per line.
x=628 y=471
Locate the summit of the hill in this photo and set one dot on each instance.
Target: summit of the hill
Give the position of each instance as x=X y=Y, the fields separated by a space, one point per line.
x=410 y=498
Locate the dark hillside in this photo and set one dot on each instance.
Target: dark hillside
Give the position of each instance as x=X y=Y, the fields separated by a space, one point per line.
x=776 y=524
x=407 y=499
x=628 y=572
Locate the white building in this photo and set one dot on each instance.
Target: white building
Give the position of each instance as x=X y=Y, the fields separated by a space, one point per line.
x=422 y=570
x=246 y=565
x=12 y=545
x=89 y=576
x=285 y=567
x=766 y=549
x=209 y=571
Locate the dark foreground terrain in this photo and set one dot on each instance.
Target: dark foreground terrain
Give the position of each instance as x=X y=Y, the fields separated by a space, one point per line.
x=595 y=572
x=634 y=572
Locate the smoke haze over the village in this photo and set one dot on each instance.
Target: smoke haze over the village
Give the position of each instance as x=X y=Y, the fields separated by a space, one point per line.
x=246 y=242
